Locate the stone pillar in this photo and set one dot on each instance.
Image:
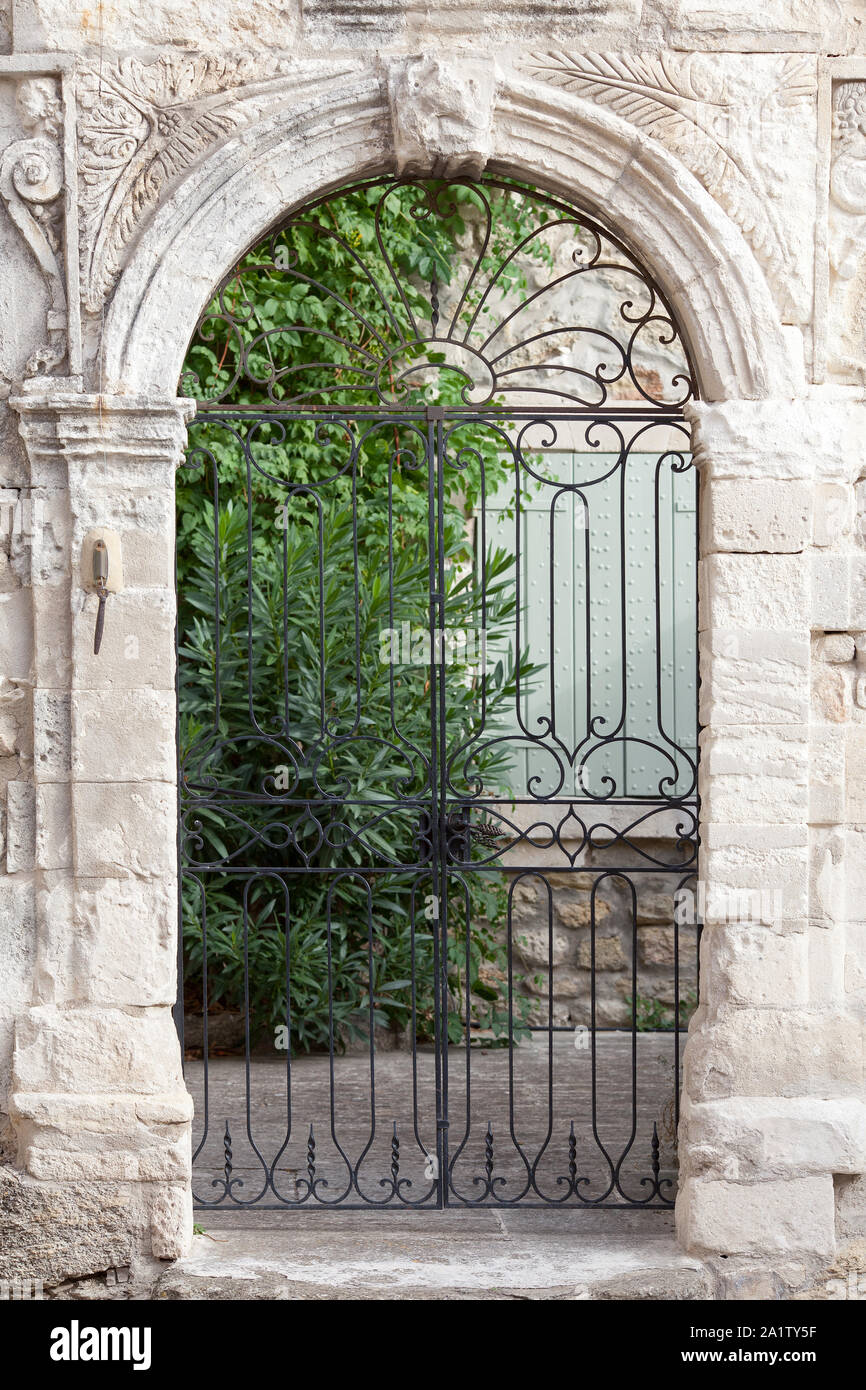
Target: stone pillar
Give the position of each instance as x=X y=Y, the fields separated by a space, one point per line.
x=98 y=1102
x=773 y=1104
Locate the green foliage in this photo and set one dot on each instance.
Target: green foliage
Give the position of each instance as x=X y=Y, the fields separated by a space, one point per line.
x=370 y=939
x=652 y=1015
x=353 y=721
x=309 y=306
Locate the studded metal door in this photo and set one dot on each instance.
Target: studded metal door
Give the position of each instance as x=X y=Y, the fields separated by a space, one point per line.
x=437 y=732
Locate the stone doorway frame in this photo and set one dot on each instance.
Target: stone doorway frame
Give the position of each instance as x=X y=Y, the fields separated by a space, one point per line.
x=98 y=1102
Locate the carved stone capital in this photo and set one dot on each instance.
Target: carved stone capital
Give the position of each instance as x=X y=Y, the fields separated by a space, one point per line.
x=113 y=434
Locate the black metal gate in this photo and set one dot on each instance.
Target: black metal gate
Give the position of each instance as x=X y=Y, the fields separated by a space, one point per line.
x=437 y=711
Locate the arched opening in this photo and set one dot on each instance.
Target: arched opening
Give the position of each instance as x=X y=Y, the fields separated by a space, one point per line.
x=437 y=677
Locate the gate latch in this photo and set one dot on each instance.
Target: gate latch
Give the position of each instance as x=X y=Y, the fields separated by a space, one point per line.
x=460 y=831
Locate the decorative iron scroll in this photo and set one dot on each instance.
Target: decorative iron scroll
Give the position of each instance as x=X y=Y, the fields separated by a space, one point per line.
x=449 y=848
x=591 y=330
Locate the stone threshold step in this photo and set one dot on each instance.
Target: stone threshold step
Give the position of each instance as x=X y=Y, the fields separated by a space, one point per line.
x=321 y=1262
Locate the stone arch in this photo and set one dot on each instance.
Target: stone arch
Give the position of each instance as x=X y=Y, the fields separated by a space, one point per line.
x=555 y=141
x=558 y=142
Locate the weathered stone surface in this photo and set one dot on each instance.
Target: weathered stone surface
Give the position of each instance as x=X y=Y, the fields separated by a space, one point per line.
x=124 y=829
x=754 y=677
x=60 y=1231
x=578 y=912
x=20 y=827
x=834 y=584
x=171 y=1222
x=851 y=1207
x=113 y=1138
x=538 y=947
x=566 y=982
x=210 y=148
x=835 y=647
x=442 y=111
x=758 y=1218
x=136 y=648
x=655 y=907
x=53 y=845
x=754 y=1138
x=349 y=1261
x=91 y=1050
x=608 y=954
x=657 y=945
x=831 y=695
x=747 y=516
x=758 y=593
x=855 y=775
x=573 y=881
x=749 y=1051
x=756 y=965
x=771 y=861
x=113 y=943
x=124 y=736
x=17 y=916
x=826 y=775
x=755 y=774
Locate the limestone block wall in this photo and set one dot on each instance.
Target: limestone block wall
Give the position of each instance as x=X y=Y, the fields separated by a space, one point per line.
x=142 y=151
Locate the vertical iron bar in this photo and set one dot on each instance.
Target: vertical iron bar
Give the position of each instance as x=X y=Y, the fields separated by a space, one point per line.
x=437 y=416
x=440 y=1017
x=177 y=1010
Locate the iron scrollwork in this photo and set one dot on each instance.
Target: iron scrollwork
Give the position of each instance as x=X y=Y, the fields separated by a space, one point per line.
x=546 y=375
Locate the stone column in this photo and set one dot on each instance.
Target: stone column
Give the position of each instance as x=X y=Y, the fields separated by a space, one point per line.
x=98 y=1102
x=772 y=1105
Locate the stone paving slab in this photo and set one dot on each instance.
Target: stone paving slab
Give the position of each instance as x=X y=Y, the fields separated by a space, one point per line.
x=465 y=1258
x=559 y=1253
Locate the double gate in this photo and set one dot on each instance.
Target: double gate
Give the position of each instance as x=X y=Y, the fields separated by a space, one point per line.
x=437 y=733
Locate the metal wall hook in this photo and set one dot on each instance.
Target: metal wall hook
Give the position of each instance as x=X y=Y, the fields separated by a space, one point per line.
x=100 y=577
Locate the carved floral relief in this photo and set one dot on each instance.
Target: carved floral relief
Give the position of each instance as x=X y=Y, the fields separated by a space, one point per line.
x=31 y=187
x=734 y=125
x=847 y=234
x=143 y=123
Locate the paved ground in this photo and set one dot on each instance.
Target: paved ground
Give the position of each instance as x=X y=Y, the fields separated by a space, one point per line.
x=489 y=1251
x=510 y=1124
x=436 y=1256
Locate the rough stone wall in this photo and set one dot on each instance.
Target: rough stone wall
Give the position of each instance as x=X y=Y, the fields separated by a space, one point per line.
x=568 y=907
x=142 y=149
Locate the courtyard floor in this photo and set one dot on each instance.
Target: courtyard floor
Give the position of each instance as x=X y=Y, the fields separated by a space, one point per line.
x=520 y=1125
x=490 y=1250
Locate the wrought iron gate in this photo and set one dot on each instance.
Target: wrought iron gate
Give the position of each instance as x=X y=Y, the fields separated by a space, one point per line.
x=437 y=732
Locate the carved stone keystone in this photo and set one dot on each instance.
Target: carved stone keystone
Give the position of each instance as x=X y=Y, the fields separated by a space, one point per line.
x=441 y=114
